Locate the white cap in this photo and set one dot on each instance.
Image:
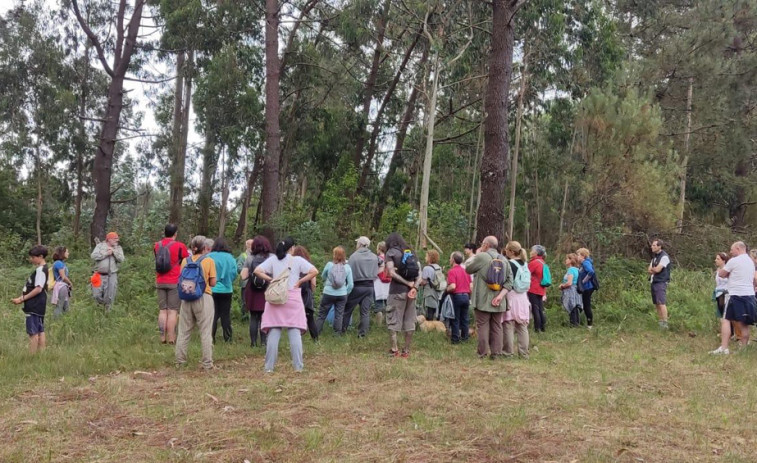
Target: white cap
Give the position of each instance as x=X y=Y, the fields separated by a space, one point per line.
x=363 y=241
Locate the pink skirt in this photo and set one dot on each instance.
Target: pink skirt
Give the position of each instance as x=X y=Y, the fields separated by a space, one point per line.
x=518 y=308
x=288 y=315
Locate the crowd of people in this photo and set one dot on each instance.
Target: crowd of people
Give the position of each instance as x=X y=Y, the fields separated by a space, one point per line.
x=504 y=285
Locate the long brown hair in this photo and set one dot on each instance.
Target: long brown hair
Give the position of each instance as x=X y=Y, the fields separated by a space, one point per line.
x=340 y=256
x=301 y=251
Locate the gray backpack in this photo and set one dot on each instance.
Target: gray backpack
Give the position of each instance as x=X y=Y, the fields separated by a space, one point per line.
x=337 y=276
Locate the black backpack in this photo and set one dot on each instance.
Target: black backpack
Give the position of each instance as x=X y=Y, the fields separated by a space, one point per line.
x=408 y=267
x=254 y=281
x=163 y=258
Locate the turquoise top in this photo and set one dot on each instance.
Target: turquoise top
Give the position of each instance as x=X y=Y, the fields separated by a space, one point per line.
x=226 y=272
x=344 y=290
x=571 y=271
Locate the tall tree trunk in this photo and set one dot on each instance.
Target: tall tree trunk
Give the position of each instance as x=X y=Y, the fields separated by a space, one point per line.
x=538 y=207
x=516 y=152
x=685 y=164
x=38 y=172
x=225 y=190
x=367 y=165
x=491 y=213
x=252 y=180
x=182 y=103
x=562 y=211
x=270 y=193
x=83 y=141
x=209 y=164
x=177 y=183
x=399 y=143
x=125 y=42
x=475 y=187
x=370 y=83
x=429 y=153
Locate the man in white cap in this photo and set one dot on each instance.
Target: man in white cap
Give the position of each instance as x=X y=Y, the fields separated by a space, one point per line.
x=365 y=266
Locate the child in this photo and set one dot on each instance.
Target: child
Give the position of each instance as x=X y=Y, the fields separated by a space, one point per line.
x=34 y=299
x=63 y=286
x=571 y=300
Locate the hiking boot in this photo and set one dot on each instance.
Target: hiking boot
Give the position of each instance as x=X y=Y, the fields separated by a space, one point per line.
x=394 y=353
x=405 y=354
x=720 y=351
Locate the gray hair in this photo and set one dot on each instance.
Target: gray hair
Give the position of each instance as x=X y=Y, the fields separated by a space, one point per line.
x=198 y=243
x=457 y=257
x=492 y=242
x=209 y=243
x=539 y=250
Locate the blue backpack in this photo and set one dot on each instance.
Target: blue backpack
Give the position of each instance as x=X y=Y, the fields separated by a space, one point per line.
x=192 y=281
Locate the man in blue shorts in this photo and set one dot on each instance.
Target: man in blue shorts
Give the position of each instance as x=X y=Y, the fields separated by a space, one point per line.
x=742 y=306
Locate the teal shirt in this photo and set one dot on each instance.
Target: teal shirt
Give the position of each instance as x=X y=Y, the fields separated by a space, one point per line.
x=344 y=290
x=226 y=272
x=571 y=271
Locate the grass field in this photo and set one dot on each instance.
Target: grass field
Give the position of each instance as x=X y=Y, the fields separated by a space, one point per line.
x=106 y=390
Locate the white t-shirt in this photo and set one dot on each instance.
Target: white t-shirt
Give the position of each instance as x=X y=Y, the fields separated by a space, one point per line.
x=39 y=278
x=273 y=267
x=664 y=261
x=741 y=277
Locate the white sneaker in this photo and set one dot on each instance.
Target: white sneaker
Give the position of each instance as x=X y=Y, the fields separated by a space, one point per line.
x=720 y=351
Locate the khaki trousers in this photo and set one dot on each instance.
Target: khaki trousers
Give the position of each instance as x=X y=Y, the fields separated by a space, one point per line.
x=513 y=329
x=199 y=313
x=489 y=332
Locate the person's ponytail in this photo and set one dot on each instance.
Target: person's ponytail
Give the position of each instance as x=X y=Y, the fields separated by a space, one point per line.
x=283 y=247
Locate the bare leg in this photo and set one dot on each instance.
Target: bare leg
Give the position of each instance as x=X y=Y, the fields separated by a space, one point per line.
x=408 y=340
x=725 y=333
x=162 y=315
x=393 y=338
x=744 y=333
x=42 y=343
x=33 y=342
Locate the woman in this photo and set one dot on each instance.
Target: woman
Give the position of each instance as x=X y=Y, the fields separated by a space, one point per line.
x=254 y=291
x=720 y=295
x=226 y=273
x=307 y=293
x=291 y=314
x=63 y=286
x=458 y=288
x=381 y=283
x=571 y=300
x=337 y=284
x=431 y=296
x=586 y=279
x=536 y=292
x=516 y=319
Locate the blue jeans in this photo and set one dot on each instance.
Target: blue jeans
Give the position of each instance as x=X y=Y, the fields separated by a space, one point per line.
x=459 y=325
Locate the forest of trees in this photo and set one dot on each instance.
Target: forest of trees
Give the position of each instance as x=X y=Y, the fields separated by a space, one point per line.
x=562 y=122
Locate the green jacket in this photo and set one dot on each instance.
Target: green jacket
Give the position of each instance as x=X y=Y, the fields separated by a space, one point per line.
x=482 y=296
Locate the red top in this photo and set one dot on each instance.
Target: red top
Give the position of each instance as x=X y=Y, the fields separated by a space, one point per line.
x=460 y=279
x=536 y=267
x=178 y=253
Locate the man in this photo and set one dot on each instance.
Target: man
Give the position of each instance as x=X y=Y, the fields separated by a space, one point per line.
x=742 y=307
x=659 y=271
x=241 y=259
x=365 y=267
x=166 y=281
x=108 y=257
x=488 y=304
x=402 y=265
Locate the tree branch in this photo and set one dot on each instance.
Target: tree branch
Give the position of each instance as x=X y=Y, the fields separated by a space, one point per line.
x=92 y=37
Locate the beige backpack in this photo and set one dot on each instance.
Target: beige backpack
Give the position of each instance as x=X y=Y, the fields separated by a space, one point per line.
x=278 y=289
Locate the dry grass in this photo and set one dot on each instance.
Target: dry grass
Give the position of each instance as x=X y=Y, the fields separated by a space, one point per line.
x=584 y=397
